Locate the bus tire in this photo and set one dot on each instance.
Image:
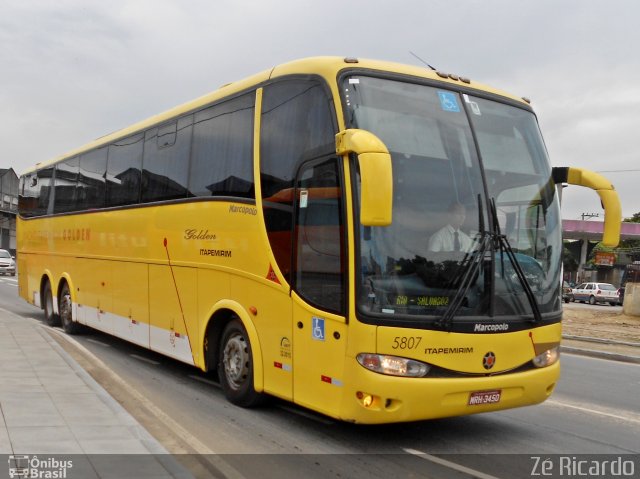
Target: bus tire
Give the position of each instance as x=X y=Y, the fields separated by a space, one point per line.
x=235 y=366
x=50 y=318
x=65 y=307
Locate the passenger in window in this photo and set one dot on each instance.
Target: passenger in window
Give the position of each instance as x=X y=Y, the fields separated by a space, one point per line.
x=450 y=237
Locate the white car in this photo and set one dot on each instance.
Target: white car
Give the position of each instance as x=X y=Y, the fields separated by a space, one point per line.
x=7 y=263
x=597 y=293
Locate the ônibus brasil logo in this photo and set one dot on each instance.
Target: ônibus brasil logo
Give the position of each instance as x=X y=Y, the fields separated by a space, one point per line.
x=24 y=466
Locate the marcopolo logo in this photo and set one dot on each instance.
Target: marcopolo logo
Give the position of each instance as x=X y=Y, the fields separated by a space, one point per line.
x=34 y=467
x=490 y=328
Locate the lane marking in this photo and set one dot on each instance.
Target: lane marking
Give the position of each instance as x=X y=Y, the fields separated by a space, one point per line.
x=628 y=417
x=146 y=360
x=449 y=464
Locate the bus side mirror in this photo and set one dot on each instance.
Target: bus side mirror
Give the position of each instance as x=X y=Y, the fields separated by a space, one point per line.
x=608 y=197
x=375 y=174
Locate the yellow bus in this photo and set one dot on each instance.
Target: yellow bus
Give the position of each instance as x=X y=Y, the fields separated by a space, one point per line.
x=373 y=241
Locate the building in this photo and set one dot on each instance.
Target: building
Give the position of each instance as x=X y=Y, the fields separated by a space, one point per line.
x=607 y=267
x=8 y=209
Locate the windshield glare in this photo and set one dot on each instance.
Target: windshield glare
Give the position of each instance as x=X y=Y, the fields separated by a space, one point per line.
x=441 y=209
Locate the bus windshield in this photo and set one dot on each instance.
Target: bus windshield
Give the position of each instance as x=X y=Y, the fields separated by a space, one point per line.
x=463 y=166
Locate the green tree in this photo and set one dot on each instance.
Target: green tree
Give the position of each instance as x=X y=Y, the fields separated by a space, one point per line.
x=632 y=244
x=634 y=219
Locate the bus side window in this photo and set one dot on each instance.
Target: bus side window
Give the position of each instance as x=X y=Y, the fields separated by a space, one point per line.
x=123 y=171
x=65 y=185
x=166 y=160
x=90 y=190
x=222 y=151
x=44 y=190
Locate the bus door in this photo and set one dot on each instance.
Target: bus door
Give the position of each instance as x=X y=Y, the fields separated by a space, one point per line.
x=319 y=279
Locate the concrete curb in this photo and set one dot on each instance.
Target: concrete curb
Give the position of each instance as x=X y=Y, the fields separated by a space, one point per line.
x=590 y=339
x=601 y=354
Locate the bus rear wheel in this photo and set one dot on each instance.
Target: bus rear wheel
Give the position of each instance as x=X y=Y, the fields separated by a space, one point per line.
x=235 y=366
x=50 y=317
x=65 y=306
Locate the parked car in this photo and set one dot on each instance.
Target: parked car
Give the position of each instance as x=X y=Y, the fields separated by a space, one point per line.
x=597 y=293
x=567 y=292
x=7 y=263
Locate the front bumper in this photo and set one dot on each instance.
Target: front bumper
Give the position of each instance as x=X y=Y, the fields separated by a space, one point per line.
x=411 y=399
x=7 y=269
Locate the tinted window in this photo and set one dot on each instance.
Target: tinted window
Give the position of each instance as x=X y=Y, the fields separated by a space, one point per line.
x=166 y=161
x=297 y=125
x=222 y=156
x=319 y=244
x=65 y=187
x=90 y=192
x=35 y=189
x=123 y=171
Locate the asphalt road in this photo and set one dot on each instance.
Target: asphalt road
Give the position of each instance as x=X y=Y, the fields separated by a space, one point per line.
x=594 y=410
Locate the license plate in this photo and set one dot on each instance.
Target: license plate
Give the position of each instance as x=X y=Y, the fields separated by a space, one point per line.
x=478 y=398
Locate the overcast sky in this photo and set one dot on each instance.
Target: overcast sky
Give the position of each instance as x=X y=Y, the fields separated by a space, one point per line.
x=74 y=70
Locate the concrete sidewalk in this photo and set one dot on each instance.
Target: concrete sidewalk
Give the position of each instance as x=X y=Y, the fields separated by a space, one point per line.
x=50 y=406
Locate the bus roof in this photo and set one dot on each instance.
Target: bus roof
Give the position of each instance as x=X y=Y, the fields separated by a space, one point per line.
x=327 y=67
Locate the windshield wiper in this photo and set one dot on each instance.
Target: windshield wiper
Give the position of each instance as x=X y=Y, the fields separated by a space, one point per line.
x=503 y=244
x=471 y=265
x=474 y=260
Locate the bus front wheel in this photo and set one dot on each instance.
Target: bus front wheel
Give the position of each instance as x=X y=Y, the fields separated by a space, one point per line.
x=235 y=366
x=50 y=317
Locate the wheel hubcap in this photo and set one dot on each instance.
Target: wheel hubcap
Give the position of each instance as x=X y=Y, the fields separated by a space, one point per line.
x=236 y=361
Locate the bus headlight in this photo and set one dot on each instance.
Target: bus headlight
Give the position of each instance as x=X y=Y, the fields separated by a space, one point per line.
x=393 y=365
x=549 y=357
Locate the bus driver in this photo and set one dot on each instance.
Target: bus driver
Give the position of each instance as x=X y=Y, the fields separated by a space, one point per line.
x=450 y=237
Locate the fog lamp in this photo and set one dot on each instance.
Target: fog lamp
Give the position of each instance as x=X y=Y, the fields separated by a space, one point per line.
x=365 y=398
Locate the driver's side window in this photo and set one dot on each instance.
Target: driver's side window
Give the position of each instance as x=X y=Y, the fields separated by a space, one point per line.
x=319 y=235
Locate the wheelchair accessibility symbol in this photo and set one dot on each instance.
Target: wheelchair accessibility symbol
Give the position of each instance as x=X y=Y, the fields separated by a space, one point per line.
x=317 y=332
x=448 y=101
